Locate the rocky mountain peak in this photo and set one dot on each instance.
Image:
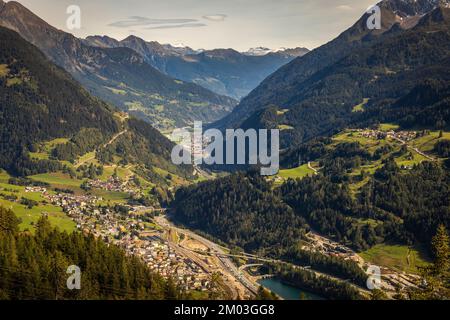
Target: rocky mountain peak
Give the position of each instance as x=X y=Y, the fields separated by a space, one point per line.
x=409 y=8
x=440 y=15
x=101 y=41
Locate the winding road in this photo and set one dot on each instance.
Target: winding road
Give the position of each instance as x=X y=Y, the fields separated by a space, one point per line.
x=412 y=148
x=313 y=169
x=114 y=138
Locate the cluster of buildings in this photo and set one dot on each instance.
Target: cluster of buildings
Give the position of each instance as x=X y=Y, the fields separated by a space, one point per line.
x=373 y=134
x=166 y=261
x=113 y=184
x=391 y=279
x=405 y=136
x=331 y=248
x=72 y=204
x=135 y=236
x=35 y=189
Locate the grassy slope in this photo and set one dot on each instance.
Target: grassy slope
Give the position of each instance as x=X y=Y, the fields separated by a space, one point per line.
x=427 y=143
x=397 y=257
x=424 y=144
x=299 y=172
x=57 y=179
x=31 y=216
x=360 y=107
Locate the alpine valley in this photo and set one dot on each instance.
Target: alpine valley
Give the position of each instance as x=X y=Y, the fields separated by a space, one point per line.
x=87 y=178
x=119 y=76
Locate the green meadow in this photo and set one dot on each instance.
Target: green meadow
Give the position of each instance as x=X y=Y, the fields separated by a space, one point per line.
x=29 y=217
x=299 y=172
x=360 y=107
x=403 y=258
x=57 y=179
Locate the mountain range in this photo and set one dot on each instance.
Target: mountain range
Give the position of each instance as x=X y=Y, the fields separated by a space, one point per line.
x=41 y=102
x=362 y=76
x=365 y=177
x=224 y=71
x=119 y=75
x=377 y=70
x=364 y=120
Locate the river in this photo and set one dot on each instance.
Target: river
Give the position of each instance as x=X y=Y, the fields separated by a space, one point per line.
x=285 y=291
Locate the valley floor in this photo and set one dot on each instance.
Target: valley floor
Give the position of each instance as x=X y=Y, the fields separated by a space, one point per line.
x=197 y=263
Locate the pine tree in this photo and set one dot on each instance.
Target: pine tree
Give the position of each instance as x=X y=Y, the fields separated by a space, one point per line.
x=171 y=291
x=436 y=284
x=43 y=228
x=8 y=221
x=378 y=295
x=440 y=245
x=57 y=274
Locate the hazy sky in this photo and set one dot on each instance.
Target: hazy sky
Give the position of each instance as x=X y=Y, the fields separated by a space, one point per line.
x=238 y=24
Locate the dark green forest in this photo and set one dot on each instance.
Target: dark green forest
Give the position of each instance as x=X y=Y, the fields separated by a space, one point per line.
x=240 y=210
x=408 y=207
x=39 y=101
x=244 y=211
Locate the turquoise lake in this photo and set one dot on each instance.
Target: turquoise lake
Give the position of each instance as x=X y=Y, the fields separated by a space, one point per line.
x=285 y=291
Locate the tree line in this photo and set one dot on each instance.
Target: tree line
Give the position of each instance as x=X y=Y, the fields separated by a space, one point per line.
x=34 y=266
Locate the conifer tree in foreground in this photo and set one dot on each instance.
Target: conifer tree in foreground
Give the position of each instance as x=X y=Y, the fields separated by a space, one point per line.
x=436 y=283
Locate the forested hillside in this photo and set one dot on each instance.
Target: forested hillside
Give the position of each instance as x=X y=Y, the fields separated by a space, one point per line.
x=243 y=211
x=34 y=267
x=362 y=76
x=362 y=196
x=240 y=210
x=407 y=208
x=40 y=102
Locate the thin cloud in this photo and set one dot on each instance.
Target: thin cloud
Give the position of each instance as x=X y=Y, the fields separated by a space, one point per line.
x=215 y=17
x=136 y=21
x=345 y=8
x=177 y=26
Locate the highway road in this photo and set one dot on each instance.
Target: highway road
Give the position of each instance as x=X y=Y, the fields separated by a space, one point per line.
x=226 y=264
x=231 y=269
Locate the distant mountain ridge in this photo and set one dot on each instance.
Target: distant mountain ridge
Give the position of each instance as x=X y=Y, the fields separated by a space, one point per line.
x=224 y=71
x=144 y=47
x=315 y=94
x=119 y=75
x=262 y=51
